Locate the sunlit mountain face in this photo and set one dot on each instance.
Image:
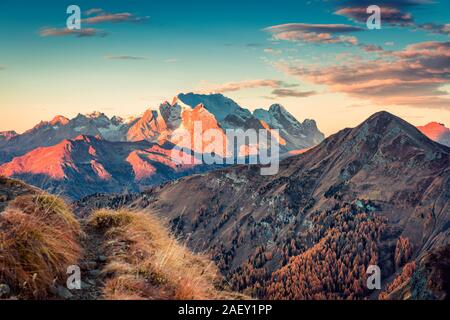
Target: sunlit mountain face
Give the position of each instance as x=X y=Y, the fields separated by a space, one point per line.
x=295 y=149
x=437 y=132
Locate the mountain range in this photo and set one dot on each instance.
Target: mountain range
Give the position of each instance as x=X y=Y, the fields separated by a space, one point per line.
x=88 y=164
x=155 y=125
x=377 y=194
x=94 y=153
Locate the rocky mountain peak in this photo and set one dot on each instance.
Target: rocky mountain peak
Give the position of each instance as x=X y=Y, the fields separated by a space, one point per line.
x=436 y=131
x=277 y=108
x=6 y=135
x=217 y=104
x=59 y=120
x=96 y=115
x=384 y=138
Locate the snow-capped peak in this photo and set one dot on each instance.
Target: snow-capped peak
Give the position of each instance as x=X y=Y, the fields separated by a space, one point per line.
x=96 y=115
x=217 y=104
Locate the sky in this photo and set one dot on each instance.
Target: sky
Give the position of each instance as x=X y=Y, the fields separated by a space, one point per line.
x=318 y=58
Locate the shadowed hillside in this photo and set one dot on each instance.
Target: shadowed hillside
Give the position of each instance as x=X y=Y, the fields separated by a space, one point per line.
x=375 y=194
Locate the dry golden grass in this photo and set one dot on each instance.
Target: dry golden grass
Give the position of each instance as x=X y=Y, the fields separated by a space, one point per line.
x=146 y=262
x=38 y=240
x=51 y=209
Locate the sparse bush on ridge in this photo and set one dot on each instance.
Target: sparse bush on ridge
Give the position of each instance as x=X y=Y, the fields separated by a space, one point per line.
x=50 y=208
x=38 y=241
x=146 y=262
x=402 y=279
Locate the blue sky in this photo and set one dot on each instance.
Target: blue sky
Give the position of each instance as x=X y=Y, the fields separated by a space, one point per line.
x=232 y=47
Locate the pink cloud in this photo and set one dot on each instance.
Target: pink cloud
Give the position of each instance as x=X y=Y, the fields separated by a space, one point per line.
x=388 y=15
x=292 y=93
x=413 y=76
x=247 y=84
x=393 y=16
x=103 y=17
x=86 y=32
x=314 y=33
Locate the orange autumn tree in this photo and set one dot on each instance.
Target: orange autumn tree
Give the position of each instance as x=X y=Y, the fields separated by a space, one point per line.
x=335 y=267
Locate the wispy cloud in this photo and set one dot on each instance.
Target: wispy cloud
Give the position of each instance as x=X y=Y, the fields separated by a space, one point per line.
x=392 y=13
x=311 y=27
x=315 y=33
x=95 y=16
x=435 y=28
x=281 y=93
x=103 y=17
x=125 y=57
x=85 y=32
x=247 y=84
x=273 y=51
x=371 y=48
x=391 y=16
x=93 y=11
x=412 y=76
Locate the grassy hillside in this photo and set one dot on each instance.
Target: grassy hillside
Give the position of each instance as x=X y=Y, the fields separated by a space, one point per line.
x=38 y=241
x=40 y=237
x=146 y=262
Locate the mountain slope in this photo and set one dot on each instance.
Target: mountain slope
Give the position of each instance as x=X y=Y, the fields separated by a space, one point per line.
x=380 y=192
x=49 y=133
x=87 y=165
x=220 y=106
x=436 y=132
x=7 y=135
x=295 y=134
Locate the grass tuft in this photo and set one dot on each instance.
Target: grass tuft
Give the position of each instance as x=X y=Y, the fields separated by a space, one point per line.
x=146 y=262
x=38 y=241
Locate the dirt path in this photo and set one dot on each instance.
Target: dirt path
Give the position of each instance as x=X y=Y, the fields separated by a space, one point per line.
x=93 y=262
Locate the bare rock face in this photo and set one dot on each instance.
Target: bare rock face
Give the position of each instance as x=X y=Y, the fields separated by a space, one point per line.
x=375 y=194
x=7 y=135
x=297 y=135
